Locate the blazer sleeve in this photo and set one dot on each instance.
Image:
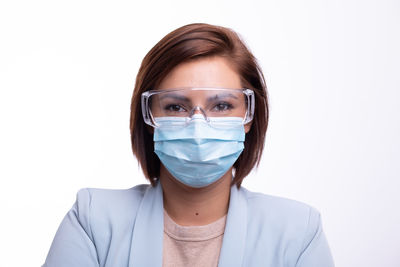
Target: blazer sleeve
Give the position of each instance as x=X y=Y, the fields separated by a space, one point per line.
x=316 y=252
x=73 y=243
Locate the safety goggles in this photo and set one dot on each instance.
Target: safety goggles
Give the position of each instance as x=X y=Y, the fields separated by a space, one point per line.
x=179 y=106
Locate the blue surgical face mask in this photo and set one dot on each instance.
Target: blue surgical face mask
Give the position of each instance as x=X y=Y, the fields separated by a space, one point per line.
x=198 y=153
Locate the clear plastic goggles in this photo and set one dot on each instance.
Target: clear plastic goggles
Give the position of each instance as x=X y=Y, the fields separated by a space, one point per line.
x=215 y=104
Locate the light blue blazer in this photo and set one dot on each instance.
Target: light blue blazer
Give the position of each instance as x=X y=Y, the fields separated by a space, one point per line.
x=124 y=228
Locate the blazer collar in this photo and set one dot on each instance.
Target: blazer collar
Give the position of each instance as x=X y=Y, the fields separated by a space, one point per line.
x=148 y=233
x=233 y=243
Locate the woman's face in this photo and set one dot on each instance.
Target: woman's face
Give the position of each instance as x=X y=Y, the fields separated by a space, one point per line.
x=203 y=72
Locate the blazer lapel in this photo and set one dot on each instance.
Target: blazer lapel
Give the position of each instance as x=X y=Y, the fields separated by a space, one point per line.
x=147 y=237
x=233 y=243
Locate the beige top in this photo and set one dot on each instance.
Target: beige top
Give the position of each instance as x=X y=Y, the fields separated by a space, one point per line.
x=192 y=245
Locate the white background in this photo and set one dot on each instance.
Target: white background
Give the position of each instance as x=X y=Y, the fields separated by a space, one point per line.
x=67 y=70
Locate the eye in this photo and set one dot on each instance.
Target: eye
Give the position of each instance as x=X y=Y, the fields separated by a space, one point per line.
x=174 y=108
x=222 y=106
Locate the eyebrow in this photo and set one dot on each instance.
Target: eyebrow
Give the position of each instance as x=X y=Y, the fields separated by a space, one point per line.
x=226 y=95
x=176 y=97
x=186 y=99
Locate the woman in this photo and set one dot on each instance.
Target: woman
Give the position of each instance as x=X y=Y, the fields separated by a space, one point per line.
x=199 y=116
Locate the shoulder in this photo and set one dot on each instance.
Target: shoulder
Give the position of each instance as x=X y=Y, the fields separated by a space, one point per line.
x=108 y=206
x=280 y=208
x=110 y=196
x=278 y=220
x=283 y=232
x=96 y=226
x=93 y=197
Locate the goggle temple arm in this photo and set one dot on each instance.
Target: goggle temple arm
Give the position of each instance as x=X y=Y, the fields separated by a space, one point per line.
x=145 y=108
x=250 y=105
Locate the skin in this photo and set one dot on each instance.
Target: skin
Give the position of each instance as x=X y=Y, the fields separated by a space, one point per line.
x=184 y=204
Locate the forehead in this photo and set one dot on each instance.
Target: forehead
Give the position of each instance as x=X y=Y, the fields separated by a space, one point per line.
x=203 y=72
x=202 y=94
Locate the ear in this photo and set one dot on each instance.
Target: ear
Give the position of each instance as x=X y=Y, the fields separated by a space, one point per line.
x=149 y=129
x=247 y=126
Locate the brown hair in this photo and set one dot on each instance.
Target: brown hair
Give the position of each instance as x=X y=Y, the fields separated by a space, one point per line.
x=184 y=44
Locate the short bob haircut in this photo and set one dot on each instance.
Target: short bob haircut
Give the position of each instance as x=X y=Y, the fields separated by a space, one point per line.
x=188 y=43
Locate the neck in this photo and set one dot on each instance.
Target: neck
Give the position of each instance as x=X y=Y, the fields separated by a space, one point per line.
x=195 y=206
